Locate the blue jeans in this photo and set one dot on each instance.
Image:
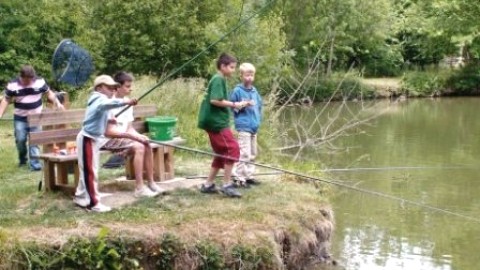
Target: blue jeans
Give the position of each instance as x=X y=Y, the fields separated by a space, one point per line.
x=21 y=134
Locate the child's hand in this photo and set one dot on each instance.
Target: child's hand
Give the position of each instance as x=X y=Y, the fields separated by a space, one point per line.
x=251 y=102
x=140 y=138
x=132 y=102
x=238 y=105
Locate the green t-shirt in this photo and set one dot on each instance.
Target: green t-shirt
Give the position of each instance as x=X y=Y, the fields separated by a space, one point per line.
x=211 y=117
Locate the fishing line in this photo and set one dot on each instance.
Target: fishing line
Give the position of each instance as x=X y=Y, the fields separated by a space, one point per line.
x=396 y=168
x=330 y=182
x=174 y=72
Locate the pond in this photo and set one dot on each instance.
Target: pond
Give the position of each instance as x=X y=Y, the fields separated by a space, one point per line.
x=441 y=139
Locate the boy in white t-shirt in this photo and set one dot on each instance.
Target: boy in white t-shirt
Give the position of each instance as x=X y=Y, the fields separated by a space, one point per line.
x=142 y=153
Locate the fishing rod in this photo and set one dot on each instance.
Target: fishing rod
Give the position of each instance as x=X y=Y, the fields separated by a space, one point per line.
x=221 y=175
x=174 y=72
x=330 y=182
x=356 y=169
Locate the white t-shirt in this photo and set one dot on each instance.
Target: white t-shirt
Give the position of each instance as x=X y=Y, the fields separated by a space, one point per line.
x=124 y=118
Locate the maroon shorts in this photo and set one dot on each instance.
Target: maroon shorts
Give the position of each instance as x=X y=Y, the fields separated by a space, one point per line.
x=224 y=143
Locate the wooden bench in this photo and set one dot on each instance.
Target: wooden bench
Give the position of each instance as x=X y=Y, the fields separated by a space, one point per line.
x=60 y=128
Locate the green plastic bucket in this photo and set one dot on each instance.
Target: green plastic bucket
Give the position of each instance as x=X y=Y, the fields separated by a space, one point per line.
x=161 y=128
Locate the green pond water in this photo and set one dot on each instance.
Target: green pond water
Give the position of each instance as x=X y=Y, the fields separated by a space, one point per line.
x=378 y=233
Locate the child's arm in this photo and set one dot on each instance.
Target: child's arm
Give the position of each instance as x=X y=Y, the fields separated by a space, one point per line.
x=235 y=97
x=53 y=98
x=228 y=104
x=108 y=104
x=112 y=132
x=3 y=105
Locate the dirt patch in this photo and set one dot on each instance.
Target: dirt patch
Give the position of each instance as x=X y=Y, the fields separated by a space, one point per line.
x=385 y=87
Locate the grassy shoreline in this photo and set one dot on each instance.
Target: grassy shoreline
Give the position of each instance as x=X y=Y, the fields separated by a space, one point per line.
x=267 y=229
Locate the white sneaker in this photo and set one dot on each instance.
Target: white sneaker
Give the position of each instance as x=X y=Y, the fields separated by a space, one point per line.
x=155 y=188
x=100 y=208
x=145 y=192
x=80 y=202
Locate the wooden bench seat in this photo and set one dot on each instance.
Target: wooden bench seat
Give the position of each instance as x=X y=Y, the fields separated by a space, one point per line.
x=60 y=128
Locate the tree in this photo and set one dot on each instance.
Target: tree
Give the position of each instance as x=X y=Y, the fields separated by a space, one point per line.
x=341 y=30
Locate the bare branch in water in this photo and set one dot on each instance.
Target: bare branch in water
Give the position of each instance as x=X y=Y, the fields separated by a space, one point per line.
x=329 y=122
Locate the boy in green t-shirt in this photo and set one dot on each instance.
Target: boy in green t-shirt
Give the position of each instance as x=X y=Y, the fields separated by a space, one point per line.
x=214 y=118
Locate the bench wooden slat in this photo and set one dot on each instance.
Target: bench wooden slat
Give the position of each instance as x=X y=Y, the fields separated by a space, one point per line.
x=54 y=136
x=53 y=117
x=68 y=135
x=57 y=117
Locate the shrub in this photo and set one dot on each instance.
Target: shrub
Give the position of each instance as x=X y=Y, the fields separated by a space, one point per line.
x=340 y=86
x=465 y=81
x=424 y=83
x=210 y=255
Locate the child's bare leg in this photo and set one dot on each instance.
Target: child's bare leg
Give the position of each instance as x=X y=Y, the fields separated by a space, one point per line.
x=212 y=175
x=138 y=159
x=227 y=176
x=148 y=162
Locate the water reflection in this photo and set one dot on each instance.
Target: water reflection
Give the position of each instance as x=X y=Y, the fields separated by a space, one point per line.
x=375 y=233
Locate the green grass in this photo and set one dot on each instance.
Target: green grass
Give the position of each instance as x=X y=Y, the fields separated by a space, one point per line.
x=279 y=204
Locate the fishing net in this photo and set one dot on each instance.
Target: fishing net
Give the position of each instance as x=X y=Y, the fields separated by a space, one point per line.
x=71 y=64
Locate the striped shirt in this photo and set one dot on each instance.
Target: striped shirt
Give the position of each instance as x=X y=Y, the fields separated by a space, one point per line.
x=27 y=100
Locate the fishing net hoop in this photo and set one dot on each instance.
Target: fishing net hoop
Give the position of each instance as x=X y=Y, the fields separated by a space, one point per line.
x=71 y=64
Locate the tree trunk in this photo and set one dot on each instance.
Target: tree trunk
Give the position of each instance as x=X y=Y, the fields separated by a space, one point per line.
x=330 y=56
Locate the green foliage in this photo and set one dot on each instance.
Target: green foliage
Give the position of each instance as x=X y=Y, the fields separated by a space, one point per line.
x=261 y=42
x=333 y=31
x=426 y=83
x=152 y=37
x=248 y=257
x=338 y=86
x=169 y=249
x=210 y=255
x=80 y=253
x=384 y=60
x=465 y=81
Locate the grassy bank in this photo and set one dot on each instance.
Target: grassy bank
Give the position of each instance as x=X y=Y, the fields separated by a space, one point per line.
x=434 y=82
x=268 y=228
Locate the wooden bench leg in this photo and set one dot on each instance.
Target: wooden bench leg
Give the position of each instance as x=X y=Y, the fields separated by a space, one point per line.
x=62 y=173
x=76 y=174
x=49 y=175
x=169 y=163
x=159 y=164
x=129 y=169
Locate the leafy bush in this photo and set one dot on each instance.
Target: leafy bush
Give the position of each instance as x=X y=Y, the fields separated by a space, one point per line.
x=383 y=61
x=249 y=257
x=338 y=86
x=465 y=81
x=169 y=249
x=210 y=255
x=424 y=83
x=80 y=253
